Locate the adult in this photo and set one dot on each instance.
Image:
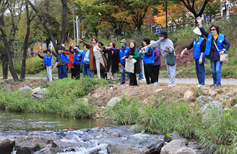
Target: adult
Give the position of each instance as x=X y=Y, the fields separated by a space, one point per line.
x=48 y=62
x=97 y=59
x=157 y=62
x=77 y=57
x=103 y=71
x=216 y=45
x=62 y=61
x=148 y=60
x=113 y=61
x=198 y=45
x=70 y=52
x=123 y=51
x=133 y=54
x=140 y=77
x=166 y=48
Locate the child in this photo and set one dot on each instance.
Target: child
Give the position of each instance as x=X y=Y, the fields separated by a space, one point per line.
x=48 y=61
x=62 y=60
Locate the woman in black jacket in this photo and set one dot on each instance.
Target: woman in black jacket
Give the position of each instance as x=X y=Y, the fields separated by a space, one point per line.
x=112 y=62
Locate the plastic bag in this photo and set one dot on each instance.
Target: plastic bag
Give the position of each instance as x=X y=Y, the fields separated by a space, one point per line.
x=224 y=58
x=129 y=65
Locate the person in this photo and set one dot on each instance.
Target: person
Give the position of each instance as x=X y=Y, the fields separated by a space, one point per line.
x=48 y=62
x=216 y=45
x=133 y=54
x=198 y=45
x=97 y=59
x=103 y=71
x=70 y=52
x=140 y=76
x=157 y=62
x=166 y=48
x=148 y=60
x=113 y=61
x=42 y=57
x=123 y=51
x=77 y=57
x=62 y=61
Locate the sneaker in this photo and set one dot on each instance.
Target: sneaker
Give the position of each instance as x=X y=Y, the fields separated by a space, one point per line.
x=172 y=85
x=213 y=85
x=122 y=83
x=155 y=83
x=200 y=85
x=218 y=85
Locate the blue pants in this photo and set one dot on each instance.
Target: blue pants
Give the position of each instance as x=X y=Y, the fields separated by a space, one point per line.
x=216 y=71
x=63 y=70
x=200 y=70
x=123 y=73
x=141 y=75
x=86 y=71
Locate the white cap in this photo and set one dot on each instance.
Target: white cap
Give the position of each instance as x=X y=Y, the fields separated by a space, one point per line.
x=197 y=31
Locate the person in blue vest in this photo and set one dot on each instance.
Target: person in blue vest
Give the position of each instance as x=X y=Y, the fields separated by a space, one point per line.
x=77 y=57
x=198 y=45
x=62 y=61
x=123 y=51
x=216 y=45
x=48 y=62
x=85 y=61
x=148 y=60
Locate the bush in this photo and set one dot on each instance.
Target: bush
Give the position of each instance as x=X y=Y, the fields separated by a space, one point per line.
x=33 y=65
x=62 y=98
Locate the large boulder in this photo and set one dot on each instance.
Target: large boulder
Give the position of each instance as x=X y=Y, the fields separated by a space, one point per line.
x=126 y=149
x=25 y=88
x=38 y=93
x=6 y=145
x=156 y=146
x=174 y=136
x=234 y=101
x=203 y=100
x=212 y=112
x=177 y=147
x=113 y=102
x=7 y=87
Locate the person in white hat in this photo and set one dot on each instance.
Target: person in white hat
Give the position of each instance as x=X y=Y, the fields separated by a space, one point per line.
x=198 y=45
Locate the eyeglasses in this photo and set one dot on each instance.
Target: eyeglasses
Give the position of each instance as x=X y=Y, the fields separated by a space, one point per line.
x=213 y=29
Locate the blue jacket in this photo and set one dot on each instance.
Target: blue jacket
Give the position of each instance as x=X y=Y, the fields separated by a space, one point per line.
x=123 y=53
x=83 y=56
x=47 y=60
x=211 y=52
x=197 y=48
x=148 y=59
x=76 y=56
x=64 y=58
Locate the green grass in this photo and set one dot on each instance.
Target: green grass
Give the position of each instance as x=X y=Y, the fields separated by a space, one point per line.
x=62 y=98
x=178 y=117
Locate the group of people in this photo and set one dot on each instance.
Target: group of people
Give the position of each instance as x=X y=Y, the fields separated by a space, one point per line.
x=95 y=57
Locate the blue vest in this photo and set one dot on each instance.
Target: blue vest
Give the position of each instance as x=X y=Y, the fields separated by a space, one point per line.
x=123 y=53
x=197 y=48
x=63 y=57
x=83 y=56
x=76 y=56
x=219 y=43
x=47 y=60
x=148 y=59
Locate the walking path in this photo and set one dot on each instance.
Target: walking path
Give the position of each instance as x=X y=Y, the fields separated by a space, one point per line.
x=166 y=80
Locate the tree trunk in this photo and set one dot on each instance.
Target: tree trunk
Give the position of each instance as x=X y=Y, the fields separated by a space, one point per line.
x=5 y=66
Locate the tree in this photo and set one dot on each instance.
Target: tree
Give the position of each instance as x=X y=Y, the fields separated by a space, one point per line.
x=29 y=17
x=14 y=7
x=44 y=14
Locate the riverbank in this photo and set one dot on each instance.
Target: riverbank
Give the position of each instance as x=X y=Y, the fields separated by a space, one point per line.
x=204 y=114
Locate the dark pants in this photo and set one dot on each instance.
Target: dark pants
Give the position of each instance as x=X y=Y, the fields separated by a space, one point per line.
x=76 y=74
x=155 y=71
x=73 y=72
x=200 y=70
x=102 y=72
x=63 y=71
x=148 y=74
x=133 y=79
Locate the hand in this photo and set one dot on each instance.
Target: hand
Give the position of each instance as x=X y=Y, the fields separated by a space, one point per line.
x=200 y=60
x=79 y=40
x=103 y=53
x=72 y=44
x=222 y=52
x=199 y=20
x=63 y=45
x=124 y=57
x=107 y=48
x=51 y=67
x=130 y=57
x=167 y=47
x=183 y=52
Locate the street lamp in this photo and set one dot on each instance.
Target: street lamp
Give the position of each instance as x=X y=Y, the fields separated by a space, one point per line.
x=73 y=29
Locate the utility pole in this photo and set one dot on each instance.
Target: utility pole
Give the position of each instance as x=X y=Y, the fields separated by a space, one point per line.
x=74 y=30
x=166 y=15
x=78 y=30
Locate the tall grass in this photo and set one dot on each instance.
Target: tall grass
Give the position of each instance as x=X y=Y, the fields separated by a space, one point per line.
x=62 y=98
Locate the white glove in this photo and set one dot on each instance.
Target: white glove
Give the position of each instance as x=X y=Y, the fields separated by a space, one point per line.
x=63 y=45
x=182 y=53
x=200 y=60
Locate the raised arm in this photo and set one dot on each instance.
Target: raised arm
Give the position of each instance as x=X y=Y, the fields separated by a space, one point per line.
x=54 y=53
x=89 y=45
x=40 y=56
x=78 y=50
x=155 y=44
x=204 y=32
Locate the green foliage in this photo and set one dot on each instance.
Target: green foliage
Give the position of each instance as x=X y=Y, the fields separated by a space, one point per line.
x=33 y=65
x=62 y=98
